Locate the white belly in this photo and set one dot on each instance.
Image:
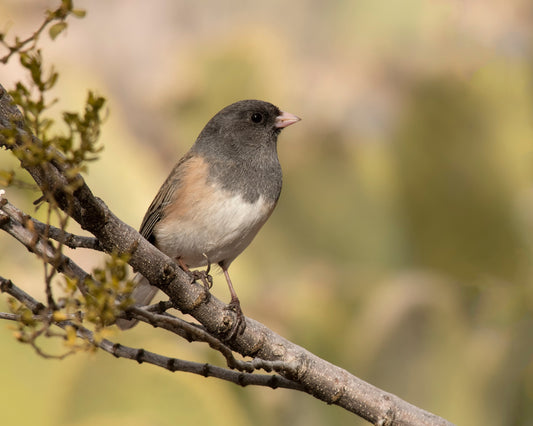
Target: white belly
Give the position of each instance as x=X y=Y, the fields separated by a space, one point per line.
x=216 y=231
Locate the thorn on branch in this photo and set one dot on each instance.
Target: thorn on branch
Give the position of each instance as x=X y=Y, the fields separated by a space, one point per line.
x=206 y=370
x=274 y=382
x=40 y=307
x=5 y=285
x=139 y=357
x=115 y=350
x=170 y=365
x=339 y=393
x=162 y=306
x=169 y=274
x=4 y=219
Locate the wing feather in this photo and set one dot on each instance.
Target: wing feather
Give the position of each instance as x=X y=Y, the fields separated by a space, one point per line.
x=165 y=195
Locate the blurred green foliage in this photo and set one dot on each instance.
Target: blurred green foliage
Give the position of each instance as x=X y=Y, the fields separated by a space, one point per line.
x=401 y=248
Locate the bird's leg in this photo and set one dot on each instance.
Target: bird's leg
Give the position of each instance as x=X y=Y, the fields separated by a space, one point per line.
x=206 y=278
x=185 y=268
x=234 y=305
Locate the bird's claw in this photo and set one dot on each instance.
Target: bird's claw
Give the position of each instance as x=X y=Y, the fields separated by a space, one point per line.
x=239 y=324
x=204 y=277
x=206 y=280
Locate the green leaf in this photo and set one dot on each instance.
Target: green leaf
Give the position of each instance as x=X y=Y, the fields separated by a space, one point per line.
x=57 y=29
x=6 y=177
x=51 y=81
x=78 y=13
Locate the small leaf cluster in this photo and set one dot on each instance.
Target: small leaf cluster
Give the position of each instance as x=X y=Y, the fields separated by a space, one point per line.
x=109 y=292
x=32 y=97
x=69 y=143
x=38 y=332
x=55 y=20
x=80 y=144
x=61 y=13
x=76 y=144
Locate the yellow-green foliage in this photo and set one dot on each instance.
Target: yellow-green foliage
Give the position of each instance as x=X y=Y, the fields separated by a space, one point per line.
x=108 y=292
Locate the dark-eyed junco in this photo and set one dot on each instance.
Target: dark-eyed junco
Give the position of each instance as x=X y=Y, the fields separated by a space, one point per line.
x=218 y=195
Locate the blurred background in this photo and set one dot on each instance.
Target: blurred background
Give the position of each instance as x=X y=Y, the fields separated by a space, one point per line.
x=402 y=245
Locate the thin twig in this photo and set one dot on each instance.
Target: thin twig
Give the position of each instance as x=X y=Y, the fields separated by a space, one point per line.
x=19 y=44
x=40 y=317
x=72 y=241
x=20 y=226
x=191 y=332
x=141 y=355
x=196 y=332
x=7 y=286
x=206 y=370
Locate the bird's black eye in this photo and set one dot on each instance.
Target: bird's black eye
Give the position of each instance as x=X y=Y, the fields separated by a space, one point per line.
x=257 y=117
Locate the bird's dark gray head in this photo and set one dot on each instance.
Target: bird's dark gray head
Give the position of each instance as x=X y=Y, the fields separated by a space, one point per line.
x=240 y=145
x=244 y=126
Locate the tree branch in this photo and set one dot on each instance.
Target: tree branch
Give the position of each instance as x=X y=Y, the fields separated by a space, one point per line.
x=316 y=376
x=21 y=226
x=25 y=229
x=195 y=332
x=141 y=355
x=72 y=241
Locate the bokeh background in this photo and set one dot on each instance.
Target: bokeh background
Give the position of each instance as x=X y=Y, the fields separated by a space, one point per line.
x=402 y=245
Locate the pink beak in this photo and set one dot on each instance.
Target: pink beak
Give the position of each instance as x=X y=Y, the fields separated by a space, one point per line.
x=286 y=119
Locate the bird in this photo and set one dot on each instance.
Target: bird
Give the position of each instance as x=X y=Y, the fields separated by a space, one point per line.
x=217 y=196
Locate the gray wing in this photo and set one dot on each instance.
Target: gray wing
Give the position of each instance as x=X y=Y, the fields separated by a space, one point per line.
x=144 y=292
x=155 y=212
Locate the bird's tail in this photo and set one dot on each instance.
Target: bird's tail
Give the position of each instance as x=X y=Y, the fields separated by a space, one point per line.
x=142 y=294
